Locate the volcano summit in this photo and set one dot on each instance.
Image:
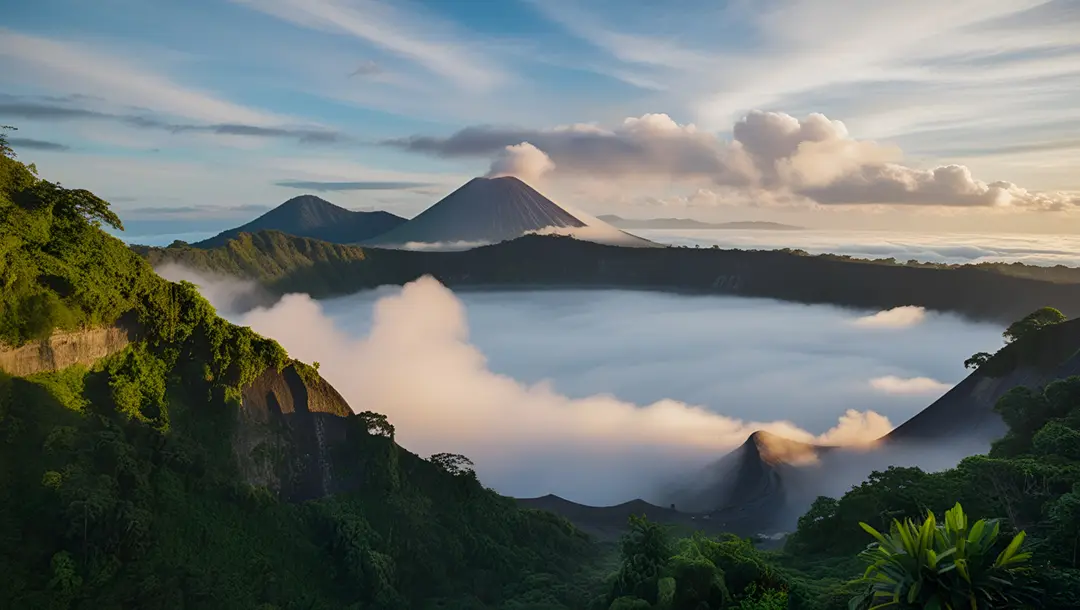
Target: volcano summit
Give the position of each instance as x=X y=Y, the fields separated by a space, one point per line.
x=491 y=210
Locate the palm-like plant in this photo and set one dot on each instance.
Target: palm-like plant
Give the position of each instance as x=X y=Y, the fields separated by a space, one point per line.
x=942 y=567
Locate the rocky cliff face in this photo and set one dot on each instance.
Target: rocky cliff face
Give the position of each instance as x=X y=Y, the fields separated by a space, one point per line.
x=64 y=349
x=288 y=427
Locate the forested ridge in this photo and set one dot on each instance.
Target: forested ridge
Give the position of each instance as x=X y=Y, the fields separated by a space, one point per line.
x=120 y=485
x=284 y=263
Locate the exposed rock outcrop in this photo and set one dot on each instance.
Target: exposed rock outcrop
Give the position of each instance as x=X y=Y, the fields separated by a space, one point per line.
x=64 y=349
x=288 y=426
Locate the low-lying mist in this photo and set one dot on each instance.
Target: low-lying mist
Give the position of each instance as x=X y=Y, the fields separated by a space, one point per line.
x=601 y=396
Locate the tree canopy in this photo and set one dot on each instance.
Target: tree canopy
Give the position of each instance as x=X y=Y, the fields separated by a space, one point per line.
x=1042 y=317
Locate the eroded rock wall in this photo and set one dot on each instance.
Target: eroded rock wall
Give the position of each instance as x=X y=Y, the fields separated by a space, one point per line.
x=287 y=428
x=64 y=349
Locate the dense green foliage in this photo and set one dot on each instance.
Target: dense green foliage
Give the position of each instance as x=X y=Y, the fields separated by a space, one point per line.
x=57 y=269
x=952 y=565
x=1040 y=318
x=1039 y=349
x=121 y=484
x=694 y=573
x=280 y=262
x=1030 y=479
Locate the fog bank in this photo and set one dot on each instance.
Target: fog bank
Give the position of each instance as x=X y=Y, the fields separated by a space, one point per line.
x=599 y=395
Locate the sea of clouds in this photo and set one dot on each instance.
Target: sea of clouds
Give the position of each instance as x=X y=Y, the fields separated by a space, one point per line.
x=957 y=248
x=603 y=395
x=600 y=395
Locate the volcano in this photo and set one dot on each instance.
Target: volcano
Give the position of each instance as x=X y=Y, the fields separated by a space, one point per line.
x=491 y=210
x=314 y=217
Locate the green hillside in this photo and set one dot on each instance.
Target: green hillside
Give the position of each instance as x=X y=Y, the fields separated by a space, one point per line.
x=121 y=486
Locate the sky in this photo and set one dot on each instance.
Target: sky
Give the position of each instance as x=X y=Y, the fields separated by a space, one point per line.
x=604 y=396
x=922 y=115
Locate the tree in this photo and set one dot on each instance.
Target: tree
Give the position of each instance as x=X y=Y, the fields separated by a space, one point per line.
x=950 y=565
x=978 y=359
x=816 y=529
x=77 y=203
x=1042 y=317
x=377 y=424
x=454 y=463
x=645 y=550
x=5 y=148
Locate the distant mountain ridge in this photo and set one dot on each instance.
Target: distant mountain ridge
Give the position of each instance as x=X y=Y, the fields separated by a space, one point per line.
x=282 y=263
x=690 y=223
x=316 y=218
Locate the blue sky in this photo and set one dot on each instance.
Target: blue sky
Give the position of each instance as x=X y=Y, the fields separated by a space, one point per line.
x=936 y=115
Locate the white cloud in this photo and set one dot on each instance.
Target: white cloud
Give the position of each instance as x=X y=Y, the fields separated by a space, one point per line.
x=523 y=161
x=891 y=384
x=441 y=246
x=417 y=365
x=897 y=317
x=812 y=159
x=856 y=428
x=896 y=70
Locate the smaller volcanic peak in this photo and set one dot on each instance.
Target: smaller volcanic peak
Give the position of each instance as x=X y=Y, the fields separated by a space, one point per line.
x=750 y=475
x=483 y=210
x=775 y=450
x=316 y=218
x=306 y=212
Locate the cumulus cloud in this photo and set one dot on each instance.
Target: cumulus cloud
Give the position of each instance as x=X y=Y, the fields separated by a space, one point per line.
x=891 y=384
x=857 y=428
x=523 y=161
x=897 y=317
x=771 y=153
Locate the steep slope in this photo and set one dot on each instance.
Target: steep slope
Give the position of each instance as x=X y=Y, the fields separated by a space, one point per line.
x=966 y=411
x=311 y=216
x=483 y=210
x=492 y=210
x=748 y=478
